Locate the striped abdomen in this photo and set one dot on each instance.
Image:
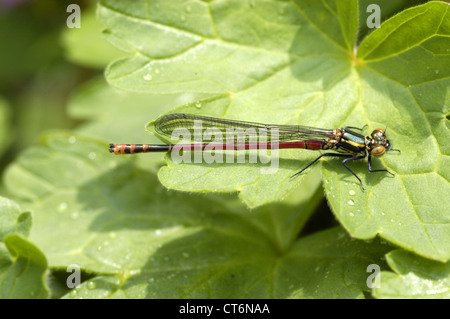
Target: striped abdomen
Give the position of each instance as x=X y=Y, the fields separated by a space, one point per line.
x=147 y=148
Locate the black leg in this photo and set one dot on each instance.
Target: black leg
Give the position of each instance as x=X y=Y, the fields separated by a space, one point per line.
x=376 y=170
x=353 y=159
x=324 y=154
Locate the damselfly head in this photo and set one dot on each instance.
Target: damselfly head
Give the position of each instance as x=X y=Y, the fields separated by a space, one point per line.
x=378 y=144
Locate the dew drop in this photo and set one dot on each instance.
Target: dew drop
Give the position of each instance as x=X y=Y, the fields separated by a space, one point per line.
x=62 y=207
x=148 y=77
x=436 y=71
x=351 y=214
x=352 y=192
x=198 y=104
x=75 y=215
x=74 y=292
x=91 y=285
x=158 y=232
x=92 y=155
x=350 y=202
x=157 y=71
x=72 y=140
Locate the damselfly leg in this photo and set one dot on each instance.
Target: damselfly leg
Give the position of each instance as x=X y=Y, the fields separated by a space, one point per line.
x=318 y=158
x=348 y=159
x=369 y=160
x=344 y=162
x=354 y=159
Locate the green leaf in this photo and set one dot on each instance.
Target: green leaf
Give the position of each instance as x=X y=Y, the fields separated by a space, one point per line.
x=23 y=267
x=387 y=10
x=401 y=73
x=425 y=27
x=205 y=50
x=293 y=63
x=137 y=239
x=12 y=220
x=318 y=266
x=24 y=275
x=414 y=277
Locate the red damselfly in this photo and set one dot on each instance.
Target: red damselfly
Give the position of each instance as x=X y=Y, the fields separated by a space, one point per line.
x=345 y=142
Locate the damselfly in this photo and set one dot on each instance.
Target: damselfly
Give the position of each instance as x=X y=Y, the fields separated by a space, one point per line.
x=345 y=142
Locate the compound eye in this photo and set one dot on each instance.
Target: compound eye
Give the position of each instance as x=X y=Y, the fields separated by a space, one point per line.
x=378 y=150
x=379 y=132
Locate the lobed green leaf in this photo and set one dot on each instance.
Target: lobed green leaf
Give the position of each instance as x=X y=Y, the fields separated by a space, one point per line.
x=293 y=63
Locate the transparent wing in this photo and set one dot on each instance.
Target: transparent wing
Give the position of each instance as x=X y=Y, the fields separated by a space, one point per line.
x=200 y=127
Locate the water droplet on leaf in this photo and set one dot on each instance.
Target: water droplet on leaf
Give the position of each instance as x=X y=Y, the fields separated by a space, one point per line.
x=75 y=215
x=62 y=207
